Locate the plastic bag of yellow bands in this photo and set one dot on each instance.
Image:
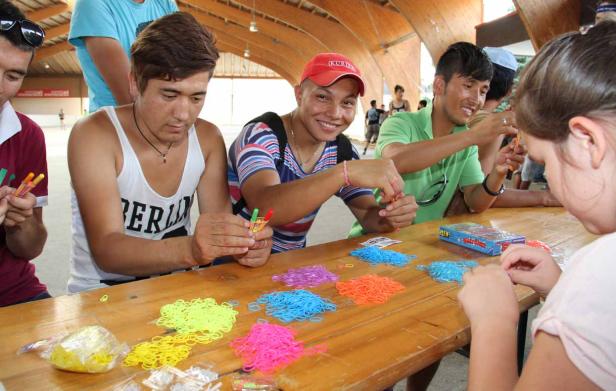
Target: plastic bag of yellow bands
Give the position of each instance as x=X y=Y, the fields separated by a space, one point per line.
x=91 y=349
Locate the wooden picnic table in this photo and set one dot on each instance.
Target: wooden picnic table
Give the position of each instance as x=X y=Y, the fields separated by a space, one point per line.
x=369 y=347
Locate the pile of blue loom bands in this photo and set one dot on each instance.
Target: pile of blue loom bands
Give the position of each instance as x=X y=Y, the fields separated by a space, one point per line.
x=378 y=256
x=448 y=271
x=293 y=305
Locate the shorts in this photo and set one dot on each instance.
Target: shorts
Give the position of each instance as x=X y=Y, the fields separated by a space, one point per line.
x=372 y=133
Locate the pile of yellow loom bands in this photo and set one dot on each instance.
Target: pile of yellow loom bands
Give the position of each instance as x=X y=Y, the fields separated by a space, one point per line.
x=197 y=321
x=198 y=315
x=160 y=351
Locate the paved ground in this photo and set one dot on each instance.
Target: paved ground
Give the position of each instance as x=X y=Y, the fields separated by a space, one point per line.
x=332 y=223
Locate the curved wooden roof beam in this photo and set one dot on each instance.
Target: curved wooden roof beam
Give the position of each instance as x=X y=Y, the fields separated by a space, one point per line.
x=49 y=51
x=546 y=19
x=57 y=31
x=401 y=65
x=378 y=26
x=334 y=35
x=294 y=68
x=439 y=23
x=266 y=42
x=47 y=12
x=303 y=42
x=257 y=58
x=387 y=35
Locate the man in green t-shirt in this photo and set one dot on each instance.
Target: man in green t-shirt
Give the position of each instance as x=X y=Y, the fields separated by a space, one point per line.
x=434 y=150
x=436 y=153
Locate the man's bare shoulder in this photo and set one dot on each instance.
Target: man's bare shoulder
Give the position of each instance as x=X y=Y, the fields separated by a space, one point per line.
x=96 y=125
x=94 y=136
x=209 y=135
x=206 y=128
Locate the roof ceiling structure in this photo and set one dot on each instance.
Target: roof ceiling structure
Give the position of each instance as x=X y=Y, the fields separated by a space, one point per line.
x=382 y=37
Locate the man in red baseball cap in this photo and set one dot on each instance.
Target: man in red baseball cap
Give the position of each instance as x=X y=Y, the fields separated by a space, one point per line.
x=294 y=163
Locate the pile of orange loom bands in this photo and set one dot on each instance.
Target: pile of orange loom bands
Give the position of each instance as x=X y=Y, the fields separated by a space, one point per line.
x=369 y=289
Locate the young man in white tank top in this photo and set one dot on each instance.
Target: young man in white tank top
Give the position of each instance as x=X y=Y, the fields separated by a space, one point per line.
x=135 y=170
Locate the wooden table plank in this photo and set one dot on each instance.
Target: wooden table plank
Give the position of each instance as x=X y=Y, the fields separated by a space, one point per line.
x=369 y=347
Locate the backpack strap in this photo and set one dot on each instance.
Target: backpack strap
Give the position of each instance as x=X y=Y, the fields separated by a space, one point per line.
x=344 y=148
x=275 y=123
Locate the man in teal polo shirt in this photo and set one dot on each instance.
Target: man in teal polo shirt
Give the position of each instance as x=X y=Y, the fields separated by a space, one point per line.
x=433 y=148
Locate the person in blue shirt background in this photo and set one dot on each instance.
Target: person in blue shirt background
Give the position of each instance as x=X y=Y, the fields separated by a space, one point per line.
x=102 y=32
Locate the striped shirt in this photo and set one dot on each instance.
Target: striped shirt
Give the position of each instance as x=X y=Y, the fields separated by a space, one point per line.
x=255 y=149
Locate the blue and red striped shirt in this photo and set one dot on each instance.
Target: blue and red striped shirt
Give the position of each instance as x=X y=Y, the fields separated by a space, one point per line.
x=255 y=149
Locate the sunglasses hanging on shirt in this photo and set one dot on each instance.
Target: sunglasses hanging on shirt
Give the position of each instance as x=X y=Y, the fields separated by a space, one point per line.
x=433 y=193
x=32 y=33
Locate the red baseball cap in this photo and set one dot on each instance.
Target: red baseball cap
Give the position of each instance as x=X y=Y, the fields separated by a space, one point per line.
x=325 y=69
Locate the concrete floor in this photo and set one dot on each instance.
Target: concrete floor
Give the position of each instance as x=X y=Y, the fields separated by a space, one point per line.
x=332 y=223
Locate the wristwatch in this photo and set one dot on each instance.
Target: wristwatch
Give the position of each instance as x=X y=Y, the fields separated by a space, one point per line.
x=490 y=192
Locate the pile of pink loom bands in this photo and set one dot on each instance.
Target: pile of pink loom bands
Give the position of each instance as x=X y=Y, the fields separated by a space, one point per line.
x=269 y=347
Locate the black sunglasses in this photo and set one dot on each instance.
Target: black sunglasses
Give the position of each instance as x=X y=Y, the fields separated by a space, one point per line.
x=33 y=33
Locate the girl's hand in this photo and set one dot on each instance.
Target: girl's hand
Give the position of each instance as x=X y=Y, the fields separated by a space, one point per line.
x=488 y=297
x=532 y=267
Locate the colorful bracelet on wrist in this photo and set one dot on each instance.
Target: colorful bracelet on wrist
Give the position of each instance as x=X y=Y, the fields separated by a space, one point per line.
x=347 y=181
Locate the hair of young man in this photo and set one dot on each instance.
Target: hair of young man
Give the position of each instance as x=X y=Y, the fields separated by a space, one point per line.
x=10 y=11
x=501 y=84
x=466 y=60
x=398 y=87
x=173 y=47
x=373 y=103
x=572 y=75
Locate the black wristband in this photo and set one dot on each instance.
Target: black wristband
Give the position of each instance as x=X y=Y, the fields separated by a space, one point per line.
x=490 y=192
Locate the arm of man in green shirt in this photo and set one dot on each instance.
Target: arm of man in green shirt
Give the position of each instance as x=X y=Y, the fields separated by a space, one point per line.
x=413 y=156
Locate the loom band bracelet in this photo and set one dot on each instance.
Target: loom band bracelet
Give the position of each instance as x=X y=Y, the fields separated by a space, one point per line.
x=315 y=319
x=262 y=321
x=233 y=303
x=254 y=307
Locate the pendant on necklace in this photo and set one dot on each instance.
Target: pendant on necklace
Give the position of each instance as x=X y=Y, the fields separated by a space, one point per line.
x=164 y=158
